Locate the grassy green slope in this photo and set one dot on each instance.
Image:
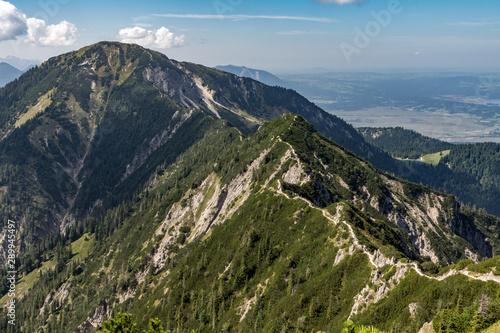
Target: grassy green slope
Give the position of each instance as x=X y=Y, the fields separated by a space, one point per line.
x=435 y=158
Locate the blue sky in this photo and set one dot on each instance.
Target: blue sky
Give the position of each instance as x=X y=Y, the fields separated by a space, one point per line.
x=280 y=36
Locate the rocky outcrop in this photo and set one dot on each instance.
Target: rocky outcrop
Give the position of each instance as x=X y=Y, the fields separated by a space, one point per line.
x=96 y=318
x=296 y=175
x=210 y=204
x=176 y=84
x=427 y=328
x=427 y=220
x=379 y=288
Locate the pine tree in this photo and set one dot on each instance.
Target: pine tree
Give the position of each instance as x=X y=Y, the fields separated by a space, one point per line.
x=478 y=323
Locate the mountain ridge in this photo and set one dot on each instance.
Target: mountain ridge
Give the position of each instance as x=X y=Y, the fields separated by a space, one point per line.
x=73 y=113
x=468 y=171
x=162 y=188
x=284 y=223
x=72 y=126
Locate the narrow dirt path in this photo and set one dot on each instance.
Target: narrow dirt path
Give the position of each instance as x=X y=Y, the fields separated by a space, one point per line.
x=336 y=220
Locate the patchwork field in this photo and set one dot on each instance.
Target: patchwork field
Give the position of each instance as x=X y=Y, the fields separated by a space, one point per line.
x=440 y=125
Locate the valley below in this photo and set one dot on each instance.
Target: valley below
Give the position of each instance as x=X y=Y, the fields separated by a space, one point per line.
x=454 y=107
x=453 y=128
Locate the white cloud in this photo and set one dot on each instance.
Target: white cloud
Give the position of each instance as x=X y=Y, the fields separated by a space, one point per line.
x=299 y=32
x=12 y=22
x=343 y=2
x=245 y=17
x=161 y=38
x=62 y=34
x=473 y=24
x=144 y=25
x=292 y=32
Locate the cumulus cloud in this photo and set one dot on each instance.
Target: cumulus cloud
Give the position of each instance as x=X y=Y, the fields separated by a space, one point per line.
x=15 y=24
x=62 y=34
x=12 y=22
x=343 y=2
x=161 y=38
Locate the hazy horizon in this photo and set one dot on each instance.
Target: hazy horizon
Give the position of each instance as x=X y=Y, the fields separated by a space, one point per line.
x=279 y=36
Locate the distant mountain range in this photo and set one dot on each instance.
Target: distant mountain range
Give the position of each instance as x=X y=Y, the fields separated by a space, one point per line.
x=8 y=73
x=20 y=63
x=256 y=74
x=12 y=67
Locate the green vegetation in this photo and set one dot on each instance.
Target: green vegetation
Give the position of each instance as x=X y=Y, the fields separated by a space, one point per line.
x=403 y=143
x=123 y=324
x=33 y=111
x=77 y=251
x=493 y=329
x=474 y=318
x=268 y=267
x=480 y=161
x=172 y=213
x=491 y=265
x=349 y=327
x=435 y=158
x=432 y=159
x=451 y=304
x=469 y=171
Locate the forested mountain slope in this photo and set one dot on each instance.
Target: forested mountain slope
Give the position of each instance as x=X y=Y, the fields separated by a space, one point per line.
x=402 y=143
x=283 y=230
x=469 y=171
x=80 y=132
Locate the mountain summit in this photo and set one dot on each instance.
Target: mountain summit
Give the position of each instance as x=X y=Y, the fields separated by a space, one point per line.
x=79 y=129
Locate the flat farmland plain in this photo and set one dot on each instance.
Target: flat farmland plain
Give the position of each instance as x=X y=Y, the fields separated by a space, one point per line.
x=458 y=127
